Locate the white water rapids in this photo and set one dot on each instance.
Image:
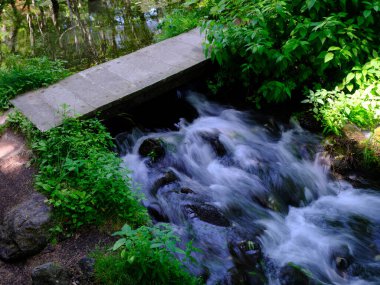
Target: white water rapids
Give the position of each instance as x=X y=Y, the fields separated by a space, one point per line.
x=236 y=177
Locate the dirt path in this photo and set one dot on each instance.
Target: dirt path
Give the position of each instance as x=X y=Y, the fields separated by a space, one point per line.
x=16 y=186
x=16 y=176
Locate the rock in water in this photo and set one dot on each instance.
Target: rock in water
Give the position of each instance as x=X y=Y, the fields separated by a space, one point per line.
x=50 y=274
x=157 y=214
x=215 y=143
x=152 y=148
x=208 y=214
x=167 y=178
x=25 y=229
x=292 y=274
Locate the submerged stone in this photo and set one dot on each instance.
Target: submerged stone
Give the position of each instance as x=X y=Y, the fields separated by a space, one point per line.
x=215 y=143
x=342 y=258
x=208 y=214
x=167 y=178
x=152 y=148
x=292 y=274
x=186 y=190
x=155 y=211
x=245 y=253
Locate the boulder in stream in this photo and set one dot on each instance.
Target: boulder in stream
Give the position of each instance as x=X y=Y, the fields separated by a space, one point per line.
x=292 y=274
x=167 y=178
x=207 y=213
x=25 y=230
x=153 y=148
x=156 y=213
x=342 y=258
x=245 y=253
x=215 y=143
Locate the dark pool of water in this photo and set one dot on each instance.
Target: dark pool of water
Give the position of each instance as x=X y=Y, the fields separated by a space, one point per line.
x=83 y=33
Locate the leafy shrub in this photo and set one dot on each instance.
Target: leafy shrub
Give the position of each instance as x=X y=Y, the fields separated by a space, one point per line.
x=81 y=175
x=281 y=47
x=18 y=75
x=145 y=258
x=183 y=19
x=361 y=107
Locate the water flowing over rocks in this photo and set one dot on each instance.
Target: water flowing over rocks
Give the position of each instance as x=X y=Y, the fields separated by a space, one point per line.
x=24 y=231
x=258 y=199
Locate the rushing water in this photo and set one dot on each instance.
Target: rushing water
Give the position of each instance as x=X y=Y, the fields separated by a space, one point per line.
x=256 y=196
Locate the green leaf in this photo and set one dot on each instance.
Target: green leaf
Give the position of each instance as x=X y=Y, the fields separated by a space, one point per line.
x=349 y=77
x=118 y=244
x=367 y=13
x=333 y=48
x=329 y=56
x=310 y=3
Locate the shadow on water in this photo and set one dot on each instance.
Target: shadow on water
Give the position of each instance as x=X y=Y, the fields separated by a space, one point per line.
x=83 y=33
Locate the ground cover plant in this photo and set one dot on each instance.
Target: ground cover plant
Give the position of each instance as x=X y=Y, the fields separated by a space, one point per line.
x=18 y=75
x=144 y=256
x=80 y=174
x=355 y=100
x=183 y=19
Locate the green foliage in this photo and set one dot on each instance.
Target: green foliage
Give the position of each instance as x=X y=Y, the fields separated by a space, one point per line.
x=278 y=48
x=183 y=19
x=145 y=258
x=18 y=122
x=81 y=175
x=18 y=75
x=362 y=107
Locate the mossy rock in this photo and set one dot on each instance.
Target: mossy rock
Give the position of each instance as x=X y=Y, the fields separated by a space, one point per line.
x=355 y=151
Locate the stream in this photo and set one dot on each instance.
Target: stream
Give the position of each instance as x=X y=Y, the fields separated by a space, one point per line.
x=257 y=198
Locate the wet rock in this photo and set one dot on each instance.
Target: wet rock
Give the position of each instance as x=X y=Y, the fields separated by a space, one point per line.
x=360 y=226
x=167 y=178
x=215 y=143
x=353 y=133
x=341 y=263
x=25 y=230
x=152 y=148
x=234 y=277
x=50 y=274
x=208 y=214
x=238 y=277
x=292 y=274
x=248 y=259
x=307 y=121
x=245 y=253
x=342 y=258
x=186 y=190
x=87 y=267
x=156 y=213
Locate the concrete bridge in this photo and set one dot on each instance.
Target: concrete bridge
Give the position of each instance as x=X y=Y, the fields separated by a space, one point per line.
x=130 y=79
